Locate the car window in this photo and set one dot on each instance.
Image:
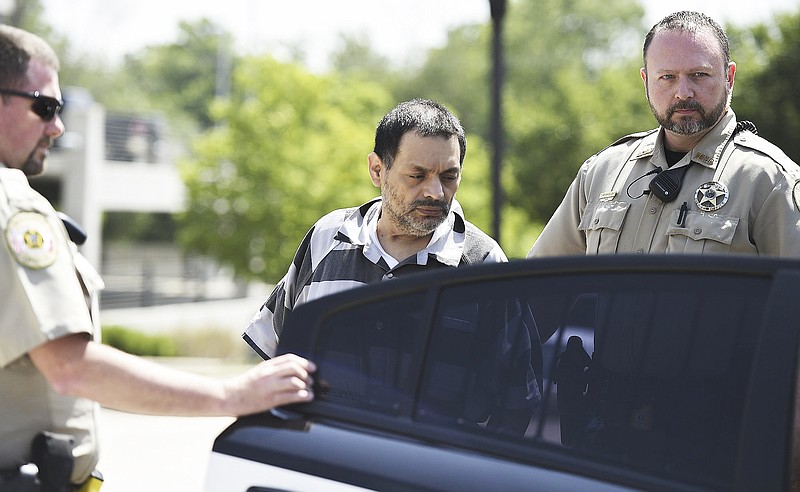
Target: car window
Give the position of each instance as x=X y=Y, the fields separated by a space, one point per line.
x=479 y=371
x=367 y=355
x=649 y=372
x=654 y=378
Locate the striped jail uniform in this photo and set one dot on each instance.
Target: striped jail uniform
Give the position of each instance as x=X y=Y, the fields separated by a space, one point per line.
x=341 y=252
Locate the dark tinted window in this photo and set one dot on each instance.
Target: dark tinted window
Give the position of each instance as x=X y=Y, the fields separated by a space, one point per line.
x=368 y=355
x=656 y=380
x=480 y=371
x=655 y=377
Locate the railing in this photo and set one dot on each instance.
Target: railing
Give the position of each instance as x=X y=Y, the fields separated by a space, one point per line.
x=151 y=275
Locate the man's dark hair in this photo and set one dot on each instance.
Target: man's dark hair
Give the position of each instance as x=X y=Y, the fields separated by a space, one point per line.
x=423 y=116
x=17 y=49
x=688 y=21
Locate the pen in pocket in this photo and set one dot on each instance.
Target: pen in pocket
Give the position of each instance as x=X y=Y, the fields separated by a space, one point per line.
x=682 y=215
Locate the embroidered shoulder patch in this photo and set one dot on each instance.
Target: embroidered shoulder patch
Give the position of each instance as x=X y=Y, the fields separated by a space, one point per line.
x=31 y=240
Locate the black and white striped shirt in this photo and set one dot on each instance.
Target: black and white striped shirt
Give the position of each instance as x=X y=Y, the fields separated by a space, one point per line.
x=340 y=252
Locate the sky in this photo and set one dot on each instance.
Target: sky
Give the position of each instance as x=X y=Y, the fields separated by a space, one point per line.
x=398 y=29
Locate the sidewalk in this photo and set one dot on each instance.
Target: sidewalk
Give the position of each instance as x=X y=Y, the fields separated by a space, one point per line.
x=167 y=454
x=161 y=454
x=156 y=454
x=230 y=314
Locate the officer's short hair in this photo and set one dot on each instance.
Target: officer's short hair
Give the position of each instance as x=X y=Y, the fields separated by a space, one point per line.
x=427 y=118
x=17 y=48
x=688 y=21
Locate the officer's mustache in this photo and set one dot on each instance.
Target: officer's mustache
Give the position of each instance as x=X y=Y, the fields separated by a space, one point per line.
x=693 y=105
x=46 y=142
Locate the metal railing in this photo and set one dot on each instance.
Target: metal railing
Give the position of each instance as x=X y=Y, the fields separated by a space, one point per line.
x=143 y=275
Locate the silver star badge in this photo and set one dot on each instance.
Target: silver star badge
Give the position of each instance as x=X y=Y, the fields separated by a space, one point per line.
x=711 y=196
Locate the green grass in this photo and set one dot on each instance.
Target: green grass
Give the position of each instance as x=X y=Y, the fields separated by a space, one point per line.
x=214 y=343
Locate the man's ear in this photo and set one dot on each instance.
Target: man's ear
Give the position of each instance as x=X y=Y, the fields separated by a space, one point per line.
x=375 y=165
x=730 y=74
x=643 y=75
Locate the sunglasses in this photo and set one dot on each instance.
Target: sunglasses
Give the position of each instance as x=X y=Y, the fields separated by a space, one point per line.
x=45 y=107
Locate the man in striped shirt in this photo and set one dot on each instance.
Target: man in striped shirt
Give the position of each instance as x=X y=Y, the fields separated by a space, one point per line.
x=416 y=224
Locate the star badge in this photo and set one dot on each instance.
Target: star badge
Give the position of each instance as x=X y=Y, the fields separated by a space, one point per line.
x=711 y=196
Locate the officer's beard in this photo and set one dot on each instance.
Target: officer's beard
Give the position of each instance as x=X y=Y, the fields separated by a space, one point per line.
x=34 y=165
x=688 y=125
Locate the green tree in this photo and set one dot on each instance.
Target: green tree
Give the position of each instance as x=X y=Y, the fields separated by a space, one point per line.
x=185 y=77
x=289 y=147
x=455 y=75
x=27 y=14
x=355 y=57
x=178 y=81
x=571 y=87
x=768 y=67
x=569 y=92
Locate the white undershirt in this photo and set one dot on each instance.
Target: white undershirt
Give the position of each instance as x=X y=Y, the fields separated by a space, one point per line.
x=373 y=235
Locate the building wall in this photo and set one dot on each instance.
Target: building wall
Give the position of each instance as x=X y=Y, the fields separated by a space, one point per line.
x=89 y=183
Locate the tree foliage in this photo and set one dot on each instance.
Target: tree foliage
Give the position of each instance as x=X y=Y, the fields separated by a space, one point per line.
x=285 y=146
x=288 y=147
x=571 y=86
x=187 y=75
x=27 y=14
x=354 y=57
x=768 y=67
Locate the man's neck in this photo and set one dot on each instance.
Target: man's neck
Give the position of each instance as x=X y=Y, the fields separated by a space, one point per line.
x=400 y=245
x=681 y=143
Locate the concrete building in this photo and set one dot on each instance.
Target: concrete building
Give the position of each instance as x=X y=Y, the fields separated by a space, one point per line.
x=108 y=162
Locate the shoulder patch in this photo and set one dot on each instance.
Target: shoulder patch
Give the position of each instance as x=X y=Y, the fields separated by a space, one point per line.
x=31 y=240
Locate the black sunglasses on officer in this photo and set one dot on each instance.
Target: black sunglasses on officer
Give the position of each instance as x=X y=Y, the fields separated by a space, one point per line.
x=45 y=107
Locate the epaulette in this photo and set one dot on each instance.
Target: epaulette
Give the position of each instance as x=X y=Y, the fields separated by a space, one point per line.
x=627 y=138
x=633 y=136
x=763 y=146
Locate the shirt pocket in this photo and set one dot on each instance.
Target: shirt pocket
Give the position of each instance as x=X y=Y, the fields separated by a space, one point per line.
x=602 y=224
x=703 y=233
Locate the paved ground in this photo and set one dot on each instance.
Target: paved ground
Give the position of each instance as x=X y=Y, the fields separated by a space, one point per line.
x=160 y=454
x=156 y=454
x=168 y=454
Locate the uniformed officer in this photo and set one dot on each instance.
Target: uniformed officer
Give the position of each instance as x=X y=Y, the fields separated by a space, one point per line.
x=701 y=183
x=52 y=368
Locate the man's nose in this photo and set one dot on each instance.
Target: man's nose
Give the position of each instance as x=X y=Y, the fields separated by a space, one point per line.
x=434 y=188
x=685 y=89
x=55 y=127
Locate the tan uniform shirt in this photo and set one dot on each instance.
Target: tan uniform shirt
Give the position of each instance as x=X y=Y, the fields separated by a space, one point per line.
x=48 y=291
x=739 y=195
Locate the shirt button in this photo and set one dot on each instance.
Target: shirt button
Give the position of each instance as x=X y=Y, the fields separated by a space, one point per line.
x=640 y=251
x=390 y=275
x=596 y=221
x=653 y=210
x=698 y=230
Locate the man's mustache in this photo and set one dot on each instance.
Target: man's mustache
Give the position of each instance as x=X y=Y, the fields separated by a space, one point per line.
x=431 y=204
x=694 y=105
